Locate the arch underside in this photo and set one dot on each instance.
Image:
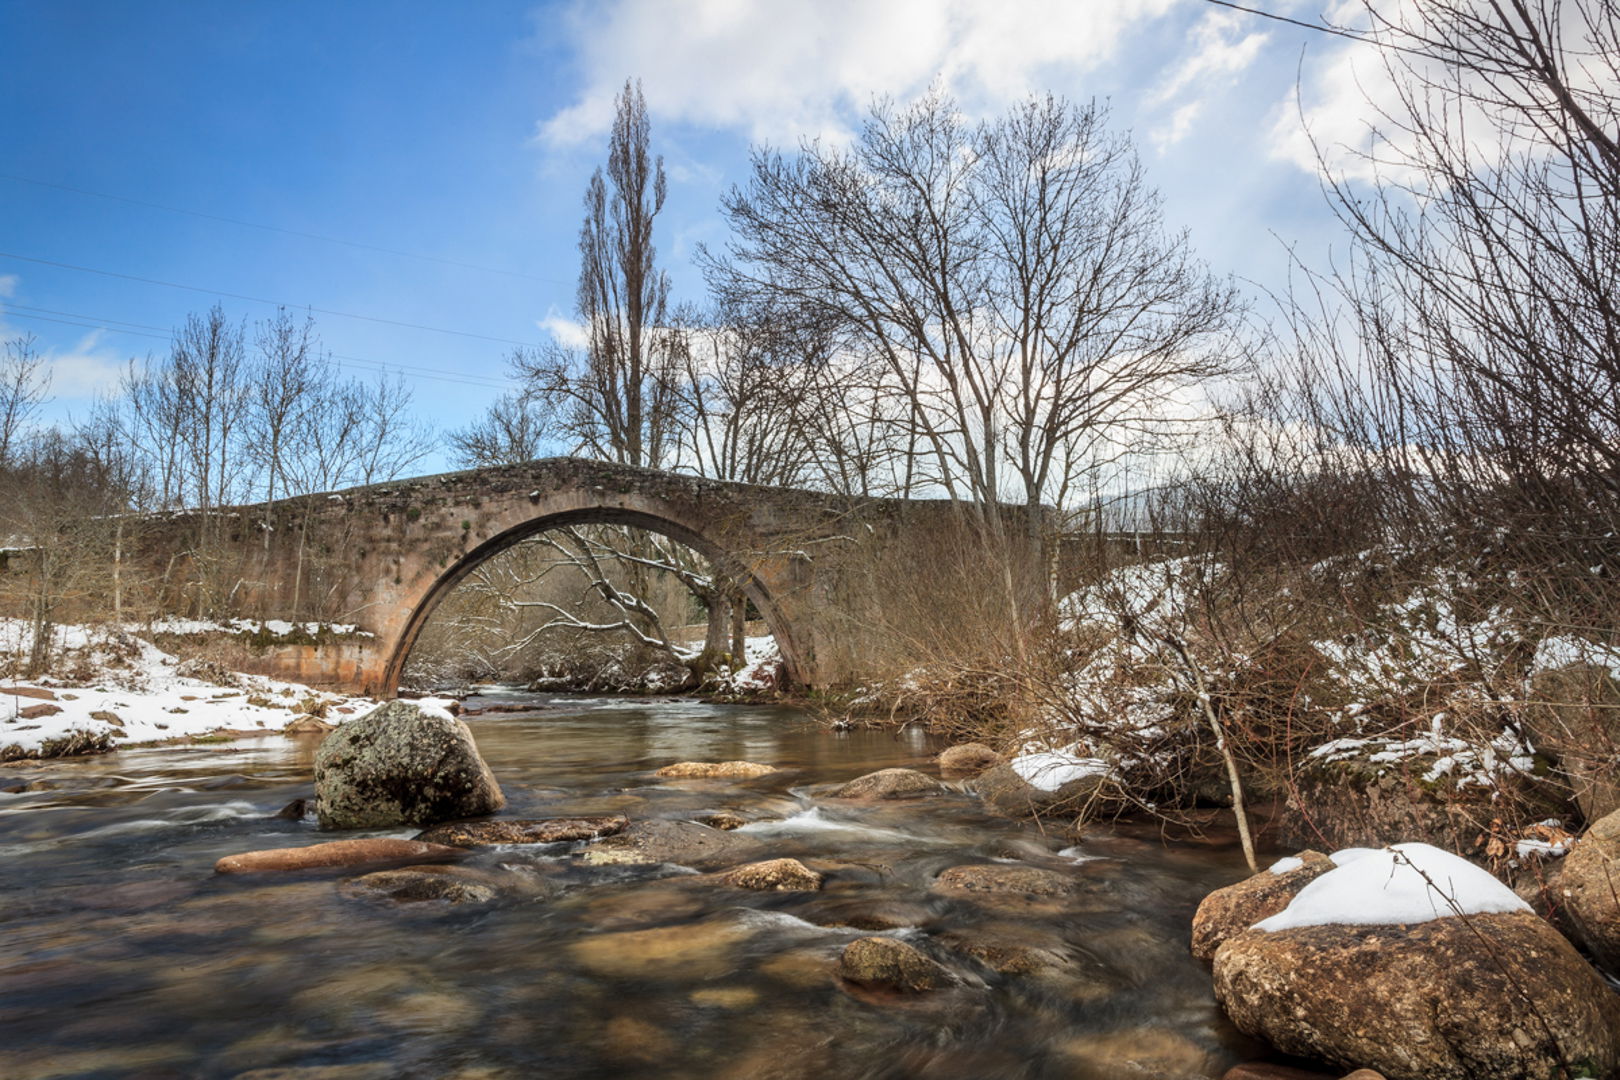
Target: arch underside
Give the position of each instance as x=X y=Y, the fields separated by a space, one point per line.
x=446 y=583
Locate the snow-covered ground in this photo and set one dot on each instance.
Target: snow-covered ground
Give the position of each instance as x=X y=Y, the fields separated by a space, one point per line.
x=110 y=688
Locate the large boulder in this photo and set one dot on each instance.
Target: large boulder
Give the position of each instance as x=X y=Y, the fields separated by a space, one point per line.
x=1573 y=714
x=1589 y=885
x=1005 y=791
x=1356 y=798
x=1391 y=961
x=1228 y=912
x=403 y=763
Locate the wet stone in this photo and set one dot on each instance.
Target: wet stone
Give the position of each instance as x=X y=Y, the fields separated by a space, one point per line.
x=419 y=884
x=1026 y=881
x=715 y=770
x=485 y=833
x=889 y=964
x=774 y=875
x=890 y=784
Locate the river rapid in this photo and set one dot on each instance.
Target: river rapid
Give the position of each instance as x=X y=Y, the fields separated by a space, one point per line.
x=122 y=954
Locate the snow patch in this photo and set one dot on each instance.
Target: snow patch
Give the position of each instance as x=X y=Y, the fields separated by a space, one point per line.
x=1049 y=770
x=1397 y=886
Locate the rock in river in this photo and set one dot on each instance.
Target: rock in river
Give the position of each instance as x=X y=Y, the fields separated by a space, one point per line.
x=1006 y=792
x=714 y=770
x=417 y=884
x=1371 y=965
x=774 y=875
x=890 y=784
x=333 y=853
x=892 y=965
x=968 y=758
x=683 y=842
x=1004 y=879
x=1228 y=912
x=402 y=764
x=471 y=834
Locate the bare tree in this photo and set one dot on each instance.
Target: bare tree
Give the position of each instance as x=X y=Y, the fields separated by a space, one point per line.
x=612 y=397
x=24 y=383
x=1012 y=278
x=513 y=430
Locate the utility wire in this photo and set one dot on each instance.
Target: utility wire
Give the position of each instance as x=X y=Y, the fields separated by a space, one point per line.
x=91 y=322
x=278 y=229
x=261 y=300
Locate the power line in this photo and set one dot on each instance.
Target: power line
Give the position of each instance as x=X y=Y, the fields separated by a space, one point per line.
x=93 y=322
x=1323 y=28
x=261 y=300
x=278 y=229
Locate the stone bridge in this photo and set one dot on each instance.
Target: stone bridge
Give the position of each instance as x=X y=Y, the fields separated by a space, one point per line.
x=831 y=575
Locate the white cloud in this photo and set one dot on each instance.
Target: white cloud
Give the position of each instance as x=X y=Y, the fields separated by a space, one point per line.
x=780 y=70
x=8 y=285
x=569 y=333
x=1356 y=113
x=1222 y=46
x=84 y=369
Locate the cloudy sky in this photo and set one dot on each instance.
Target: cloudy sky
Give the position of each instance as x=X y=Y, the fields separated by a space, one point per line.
x=413 y=171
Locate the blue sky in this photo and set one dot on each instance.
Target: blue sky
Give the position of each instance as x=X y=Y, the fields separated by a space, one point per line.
x=465 y=133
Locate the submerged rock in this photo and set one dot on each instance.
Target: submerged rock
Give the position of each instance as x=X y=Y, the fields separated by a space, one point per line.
x=1228 y=912
x=402 y=764
x=690 y=951
x=685 y=843
x=333 y=853
x=418 y=884
x=1004 y=879
x=715 y=770
x=890 y=784
x=1496 y=996
x=724 y=820
x=470 y=834
x=970 y=758
x=775 y=875
x=1589 y=885
x=892 y=965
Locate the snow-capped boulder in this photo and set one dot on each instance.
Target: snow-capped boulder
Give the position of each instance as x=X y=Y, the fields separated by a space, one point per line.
x=1419 y=964
x=1044 y=782
x=403 y=763
x=1232 y=910
x=1589 y=885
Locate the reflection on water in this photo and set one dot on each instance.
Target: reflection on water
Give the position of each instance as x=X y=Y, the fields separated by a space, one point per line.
x=123 y=955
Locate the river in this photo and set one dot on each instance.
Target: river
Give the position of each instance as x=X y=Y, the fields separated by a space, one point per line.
x=123 y=955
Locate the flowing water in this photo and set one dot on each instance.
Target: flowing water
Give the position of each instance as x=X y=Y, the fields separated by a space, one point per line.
x=123 y=955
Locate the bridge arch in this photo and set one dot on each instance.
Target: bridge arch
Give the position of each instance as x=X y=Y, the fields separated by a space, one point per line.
x=604 y=514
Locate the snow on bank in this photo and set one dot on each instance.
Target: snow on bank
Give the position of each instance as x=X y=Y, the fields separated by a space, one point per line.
x=277 y=628
x=1398 y=885
x=1049 y=770
x=111 y=688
